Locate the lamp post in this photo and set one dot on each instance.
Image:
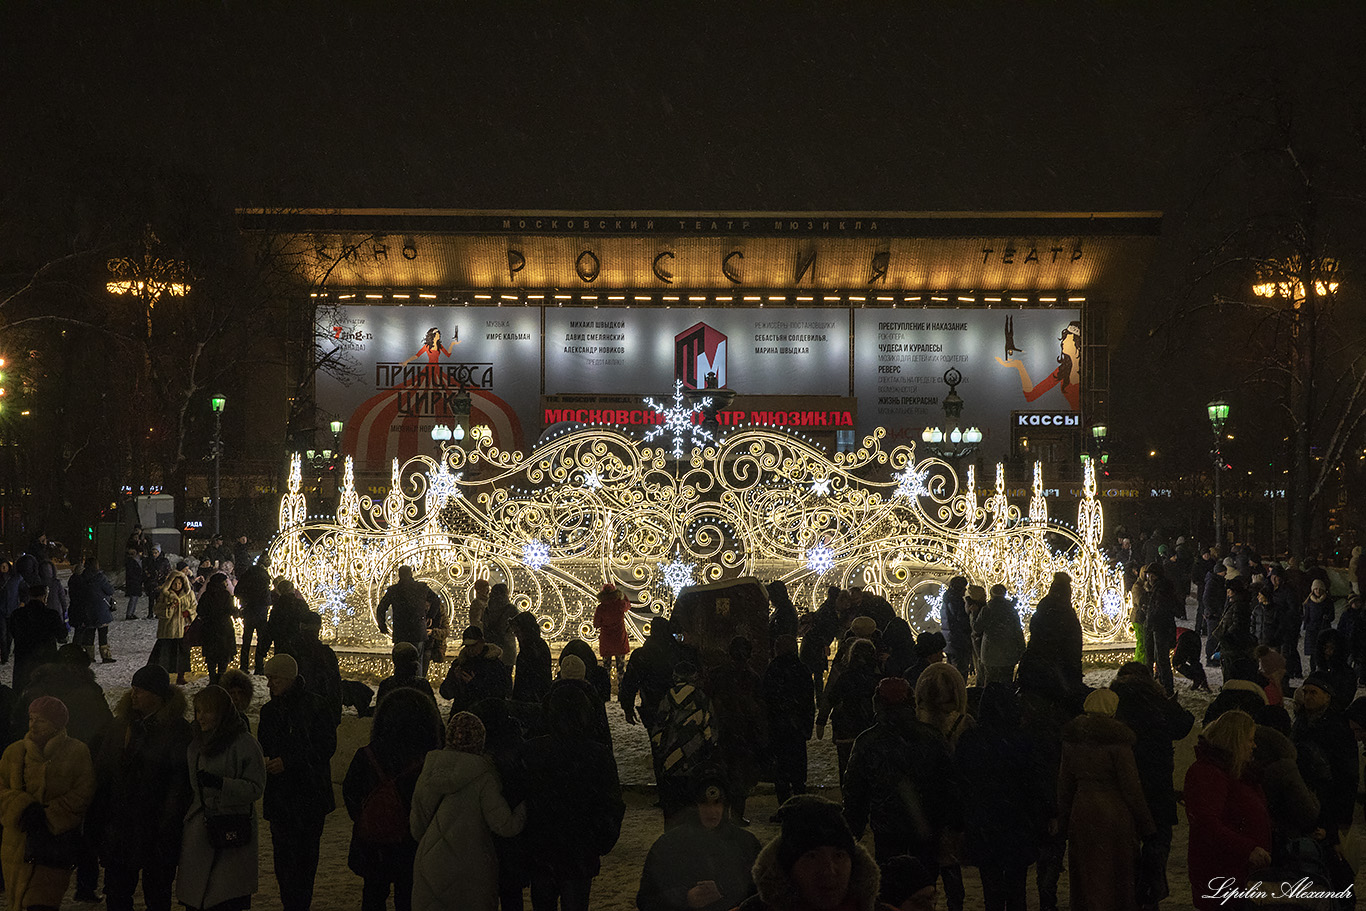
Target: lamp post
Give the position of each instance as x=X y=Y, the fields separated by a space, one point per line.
x=952 y=442
x=1218 y=415
x=217 y=403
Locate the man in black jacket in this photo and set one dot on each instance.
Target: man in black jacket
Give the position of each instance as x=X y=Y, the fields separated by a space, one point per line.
x=409 y=600
x=1055 y=634
x=649 y=673
x=790 y=702
x=901 y=780
x=142 y=792
x=298 y=739
x=253 y=591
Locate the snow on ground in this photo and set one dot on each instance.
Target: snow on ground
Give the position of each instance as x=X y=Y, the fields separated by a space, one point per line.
x=338 y=888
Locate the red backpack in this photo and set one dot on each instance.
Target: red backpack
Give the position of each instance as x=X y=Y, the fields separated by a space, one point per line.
x=383 y=817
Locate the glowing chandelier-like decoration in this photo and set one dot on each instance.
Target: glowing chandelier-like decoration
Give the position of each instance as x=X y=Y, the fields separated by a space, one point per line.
x=593 y=505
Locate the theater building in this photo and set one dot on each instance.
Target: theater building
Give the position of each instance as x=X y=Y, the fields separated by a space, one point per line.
x=831 y=324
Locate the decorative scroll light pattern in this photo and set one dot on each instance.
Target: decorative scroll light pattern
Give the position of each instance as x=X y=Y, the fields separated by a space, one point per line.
x=762 y=502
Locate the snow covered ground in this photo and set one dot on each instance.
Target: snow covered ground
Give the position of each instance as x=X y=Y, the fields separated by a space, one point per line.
x=338 y=888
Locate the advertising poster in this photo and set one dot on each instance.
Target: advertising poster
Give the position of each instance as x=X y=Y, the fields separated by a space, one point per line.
x=1010 y=360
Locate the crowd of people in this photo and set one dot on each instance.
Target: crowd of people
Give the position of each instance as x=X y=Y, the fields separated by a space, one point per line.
x=974 y=746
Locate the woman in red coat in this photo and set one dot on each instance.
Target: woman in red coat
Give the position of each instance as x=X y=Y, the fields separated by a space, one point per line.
x=1230 y=829
x=610 y=620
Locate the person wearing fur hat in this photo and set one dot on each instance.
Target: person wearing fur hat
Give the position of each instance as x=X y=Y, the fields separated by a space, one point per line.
x=610 y=621
x=477 y=672
x=175 y=609
x=1101 y=807
x=458 y=806
x=46 y=783
x=814 y=864
x=142 y=791
x=704 y=863
x=298 y=738
x=901 y=780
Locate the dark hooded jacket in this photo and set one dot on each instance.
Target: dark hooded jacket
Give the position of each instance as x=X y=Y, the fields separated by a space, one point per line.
x=478 y=672
x=688 y=854
x=297 y=727
x=649 y=672
x=777 y=891
x=142 y=789
x=1158 y=723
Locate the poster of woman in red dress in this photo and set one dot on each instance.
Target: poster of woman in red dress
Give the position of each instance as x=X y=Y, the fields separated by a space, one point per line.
x=1066 y=376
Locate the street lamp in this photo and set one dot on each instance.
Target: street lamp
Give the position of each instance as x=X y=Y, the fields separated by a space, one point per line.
x=1218 y=415
x=952 y=442
x=217 y=403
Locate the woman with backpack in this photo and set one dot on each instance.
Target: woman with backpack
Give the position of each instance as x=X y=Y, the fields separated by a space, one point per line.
x=378 y=793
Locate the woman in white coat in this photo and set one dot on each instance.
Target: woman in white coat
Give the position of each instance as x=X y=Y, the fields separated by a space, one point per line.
x=227 y=777
x=458 y=807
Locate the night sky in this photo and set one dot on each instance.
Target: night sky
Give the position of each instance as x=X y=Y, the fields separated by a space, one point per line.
x=823 y=106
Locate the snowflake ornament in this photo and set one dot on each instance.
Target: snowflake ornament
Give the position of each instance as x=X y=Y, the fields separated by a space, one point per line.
x=678 y=421
x=536 y=553
x=332 y=598
x=677 y=574
x=911 y=483
x=820 y=559
x=592 y=480
x=820 y=487
x=443 y=485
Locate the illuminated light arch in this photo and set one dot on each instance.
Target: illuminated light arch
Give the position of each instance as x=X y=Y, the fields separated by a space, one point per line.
x=591 y=504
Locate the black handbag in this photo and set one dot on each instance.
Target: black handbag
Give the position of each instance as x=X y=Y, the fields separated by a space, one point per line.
x=229 y=830
x=42 y=848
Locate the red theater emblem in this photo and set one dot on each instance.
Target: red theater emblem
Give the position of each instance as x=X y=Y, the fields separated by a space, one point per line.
x=698 y=351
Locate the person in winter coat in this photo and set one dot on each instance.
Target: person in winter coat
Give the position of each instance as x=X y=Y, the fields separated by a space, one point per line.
x=682 y=739
x=298 y=738
x=1230 y=829
x=132 y=582
x=1055 y=633
x=531 y=680
x=253 y=593
x=790 y=708
x=318 y=665
x=409 y=600
x=503 y=744
x=847 y=703
x=1002 y=638
x=478 y=672
x=59 y=595
x=1318 y=616
x=227 y=776
x=1186 y=659
x=941 y=701
x=378 y=793
x=407 y=674
x=595 y=673
x=815 y=641
x=36 y=629
x=92 y=607
x=573 y=674
x=1003 y=804
x=901 y=780
x=1101 y=807
x=498 y=623
x=142 y=792
x=71 y=680
x=741 y=723
x=649 y=673
x=1157 y=722
x=814 y=863
x=47 y=783
x=1327 y=755
x=217 y=638
x=956 y=625
x=175 y=608
x=703 y=864
x=783 y=620
x=1163 y=608
x=457 y=808
x=287 y=610
x=1331 y=649
x=610 y=621
x=572 y=787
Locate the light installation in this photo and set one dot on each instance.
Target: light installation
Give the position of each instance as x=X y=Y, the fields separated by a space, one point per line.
x=594 y=504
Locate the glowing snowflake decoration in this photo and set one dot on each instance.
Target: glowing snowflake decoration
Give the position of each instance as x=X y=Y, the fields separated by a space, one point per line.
x=1112 y=603
x=443 y=485
x=911 y=483
x=536 y=553
x=820 y=487
x=677 y=574
x=820 y=559
x=592 y=480
x=678 y=421
x=332 y=603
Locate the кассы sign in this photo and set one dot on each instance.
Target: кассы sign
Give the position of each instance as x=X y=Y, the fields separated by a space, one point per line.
x=1046 y=418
